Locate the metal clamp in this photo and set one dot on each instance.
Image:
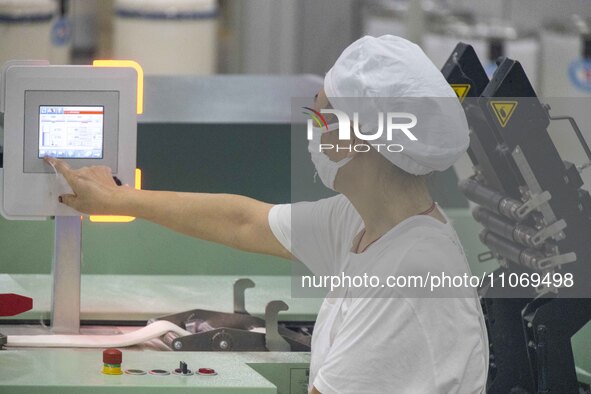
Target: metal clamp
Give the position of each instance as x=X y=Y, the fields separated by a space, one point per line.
x=538 y=198
x=273 y=339
x=240 y=287
x=535 y=202
x=555 y=230
x=548 y=265
x=552 y=262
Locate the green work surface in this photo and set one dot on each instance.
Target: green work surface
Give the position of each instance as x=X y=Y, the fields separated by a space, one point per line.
x=138 y=247
x=142 y=297
x=63 y=371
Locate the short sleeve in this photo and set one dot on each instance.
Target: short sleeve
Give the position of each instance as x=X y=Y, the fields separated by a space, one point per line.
x=315 y=233
x=280 y=223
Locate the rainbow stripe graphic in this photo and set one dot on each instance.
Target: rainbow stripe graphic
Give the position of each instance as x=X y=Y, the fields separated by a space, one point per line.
x=317 y=117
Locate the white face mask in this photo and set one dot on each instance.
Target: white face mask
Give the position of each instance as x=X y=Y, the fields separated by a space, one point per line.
x=325 y=168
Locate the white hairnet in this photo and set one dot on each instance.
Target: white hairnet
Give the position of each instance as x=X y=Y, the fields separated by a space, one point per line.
x=388 y=67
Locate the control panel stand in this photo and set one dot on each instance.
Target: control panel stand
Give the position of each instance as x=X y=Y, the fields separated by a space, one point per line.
x=65 y=300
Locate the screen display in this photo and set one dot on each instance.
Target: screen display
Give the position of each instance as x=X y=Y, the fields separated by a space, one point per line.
x=71 y=132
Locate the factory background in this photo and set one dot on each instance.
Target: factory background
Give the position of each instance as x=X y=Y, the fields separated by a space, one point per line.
x=194 y=52
x=273 y=37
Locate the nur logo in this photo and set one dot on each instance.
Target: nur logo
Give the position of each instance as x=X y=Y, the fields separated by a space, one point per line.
x=317 y=118
x=387 y=124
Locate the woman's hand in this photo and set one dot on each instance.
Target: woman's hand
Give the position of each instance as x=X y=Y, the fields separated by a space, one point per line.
x=95 y=190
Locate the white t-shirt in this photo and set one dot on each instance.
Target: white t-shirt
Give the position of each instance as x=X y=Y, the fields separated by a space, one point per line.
x=376 y=340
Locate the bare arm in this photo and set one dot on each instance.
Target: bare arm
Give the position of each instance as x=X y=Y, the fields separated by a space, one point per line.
x=236 y=221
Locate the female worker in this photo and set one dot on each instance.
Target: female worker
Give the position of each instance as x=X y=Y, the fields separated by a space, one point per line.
x=383 y=221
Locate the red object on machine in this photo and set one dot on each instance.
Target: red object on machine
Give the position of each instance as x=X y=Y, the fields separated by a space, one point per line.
x=112 y=356
x=14 y=304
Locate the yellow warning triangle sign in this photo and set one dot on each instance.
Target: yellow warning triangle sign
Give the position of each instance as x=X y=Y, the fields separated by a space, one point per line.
x=503 y=110
x=461 y=90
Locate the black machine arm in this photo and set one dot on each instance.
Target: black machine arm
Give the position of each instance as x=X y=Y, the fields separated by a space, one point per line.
x=536 y=219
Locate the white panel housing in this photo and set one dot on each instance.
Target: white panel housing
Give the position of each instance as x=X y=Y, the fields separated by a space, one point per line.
x=29 y=193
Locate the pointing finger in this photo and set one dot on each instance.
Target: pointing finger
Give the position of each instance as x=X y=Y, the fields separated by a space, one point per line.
x=61 y=167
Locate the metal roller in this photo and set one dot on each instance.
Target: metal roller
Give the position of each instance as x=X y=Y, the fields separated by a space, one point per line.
x=526 y=257
x=491 y=199
x=519 y=233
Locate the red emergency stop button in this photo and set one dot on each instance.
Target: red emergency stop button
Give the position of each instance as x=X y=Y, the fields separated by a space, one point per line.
x=112 y=359
x=112 y=356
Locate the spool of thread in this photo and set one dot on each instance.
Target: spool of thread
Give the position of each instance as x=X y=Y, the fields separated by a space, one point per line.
x=112 y=362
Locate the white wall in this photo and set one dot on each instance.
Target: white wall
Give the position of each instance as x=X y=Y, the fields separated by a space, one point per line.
x=526 y=13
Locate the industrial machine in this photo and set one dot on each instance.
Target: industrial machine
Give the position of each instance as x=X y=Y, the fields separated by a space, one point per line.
x=227 y=349
x=238 y=331
x=536 y=221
